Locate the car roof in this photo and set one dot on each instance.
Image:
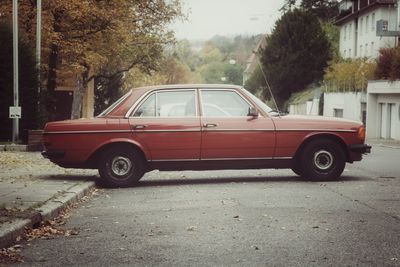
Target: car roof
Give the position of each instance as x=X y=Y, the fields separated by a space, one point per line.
x=188 y=86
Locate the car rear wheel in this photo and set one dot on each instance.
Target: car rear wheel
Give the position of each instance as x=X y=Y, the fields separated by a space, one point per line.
x=322 y=160
x=120 y=166
x=297 y=170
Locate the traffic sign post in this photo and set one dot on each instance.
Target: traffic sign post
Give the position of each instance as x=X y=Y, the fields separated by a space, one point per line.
x=15 y=112
x=15 y=133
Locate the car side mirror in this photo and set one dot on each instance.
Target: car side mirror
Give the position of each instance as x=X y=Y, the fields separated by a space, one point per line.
x=253 y=112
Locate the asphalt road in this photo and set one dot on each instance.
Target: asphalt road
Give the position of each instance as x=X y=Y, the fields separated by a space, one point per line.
x=242 y=218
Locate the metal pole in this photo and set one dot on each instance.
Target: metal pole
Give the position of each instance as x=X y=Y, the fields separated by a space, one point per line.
x=15 y=134
x=38 y=43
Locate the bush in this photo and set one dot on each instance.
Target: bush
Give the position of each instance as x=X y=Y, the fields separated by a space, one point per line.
x=388 y=64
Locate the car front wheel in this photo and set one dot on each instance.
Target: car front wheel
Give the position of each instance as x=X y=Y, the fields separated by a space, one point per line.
x=120 y=166
x=322 y=160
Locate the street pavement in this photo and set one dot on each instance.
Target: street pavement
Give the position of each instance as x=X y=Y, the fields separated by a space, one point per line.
x=32 y=189
x=242 y=218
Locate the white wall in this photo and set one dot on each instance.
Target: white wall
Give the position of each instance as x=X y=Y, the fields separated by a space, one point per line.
x=383 y=114
x=364 y=42
x=350 y=103
x=310 y=107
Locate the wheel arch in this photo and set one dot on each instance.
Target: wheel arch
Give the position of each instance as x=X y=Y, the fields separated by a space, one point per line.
x=94 y=157
x=319 y=136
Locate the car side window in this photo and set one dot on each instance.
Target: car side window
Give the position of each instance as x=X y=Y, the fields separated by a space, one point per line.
x=223 y=103
x=168 y=104
x=147 y=108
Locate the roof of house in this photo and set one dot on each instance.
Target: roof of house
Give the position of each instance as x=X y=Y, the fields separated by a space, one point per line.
x=364 y=8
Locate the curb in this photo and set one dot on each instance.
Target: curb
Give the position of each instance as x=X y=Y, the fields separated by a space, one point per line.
x=48 y=211
x=14 y=147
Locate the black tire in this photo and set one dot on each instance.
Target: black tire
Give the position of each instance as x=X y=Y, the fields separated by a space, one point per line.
x=297 y=169
x=322 y=159
x=120 y=166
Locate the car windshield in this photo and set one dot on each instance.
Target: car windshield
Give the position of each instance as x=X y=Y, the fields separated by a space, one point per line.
x=116 y=103
x=259 y=103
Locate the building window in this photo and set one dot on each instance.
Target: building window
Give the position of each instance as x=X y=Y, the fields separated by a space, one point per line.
x=338 y=112
x=366 y=24
x=373 y=21
x=366 y=50
x=372 y=49
x=349 y=52
x=350 y=31
x=344 y=32
x=344 y=53
x=361 y=26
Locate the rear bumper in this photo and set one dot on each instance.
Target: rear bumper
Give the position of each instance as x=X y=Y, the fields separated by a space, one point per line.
x=360 y=148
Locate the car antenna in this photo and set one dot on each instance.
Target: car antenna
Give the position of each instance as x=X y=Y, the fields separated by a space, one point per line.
x=266 y=81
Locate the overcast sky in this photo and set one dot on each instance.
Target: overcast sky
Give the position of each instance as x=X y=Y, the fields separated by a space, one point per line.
x=207 y=18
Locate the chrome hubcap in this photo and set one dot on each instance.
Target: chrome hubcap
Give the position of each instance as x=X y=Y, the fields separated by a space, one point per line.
x=323 y=159
x=121 y=166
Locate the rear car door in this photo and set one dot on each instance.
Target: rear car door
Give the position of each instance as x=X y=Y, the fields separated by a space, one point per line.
x=167 y=123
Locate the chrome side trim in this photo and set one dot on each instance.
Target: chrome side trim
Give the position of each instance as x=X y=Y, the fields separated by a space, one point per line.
x=220 y=159
x=165 y=131
x=238 y=130
x=88 y=132
x=315 y=130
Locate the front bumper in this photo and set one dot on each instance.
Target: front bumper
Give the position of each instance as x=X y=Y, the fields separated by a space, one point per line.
x=360 y=148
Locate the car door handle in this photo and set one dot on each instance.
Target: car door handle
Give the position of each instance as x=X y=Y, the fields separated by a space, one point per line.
x=139 y=127
x=210 y=125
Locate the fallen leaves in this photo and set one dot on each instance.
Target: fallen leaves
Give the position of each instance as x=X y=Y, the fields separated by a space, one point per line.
x=11 y=255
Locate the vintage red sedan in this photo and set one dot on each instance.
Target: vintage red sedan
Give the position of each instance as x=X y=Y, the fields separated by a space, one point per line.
x=201 y=127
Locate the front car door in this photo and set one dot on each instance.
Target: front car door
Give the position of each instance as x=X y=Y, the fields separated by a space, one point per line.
x=228 y=132
x=167 y=123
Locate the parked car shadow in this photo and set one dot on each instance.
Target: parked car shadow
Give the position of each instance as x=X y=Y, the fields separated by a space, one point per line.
x=222 y=180
x=69 y=177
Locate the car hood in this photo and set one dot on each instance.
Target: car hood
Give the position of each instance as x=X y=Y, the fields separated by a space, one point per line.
x=307 y=122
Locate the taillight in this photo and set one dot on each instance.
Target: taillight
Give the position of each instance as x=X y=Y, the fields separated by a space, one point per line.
x=361 y=133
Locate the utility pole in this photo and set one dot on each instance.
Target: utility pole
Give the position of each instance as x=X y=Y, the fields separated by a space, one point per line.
x=15 y=133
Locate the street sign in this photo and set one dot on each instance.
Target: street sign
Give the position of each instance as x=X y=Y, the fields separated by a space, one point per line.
x=15 y=112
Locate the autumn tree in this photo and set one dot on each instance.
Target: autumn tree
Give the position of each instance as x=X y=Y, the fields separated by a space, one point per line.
x=324 y=9
x=349 y=75
x=296 y=54
x=28 y=93
x=117 y=36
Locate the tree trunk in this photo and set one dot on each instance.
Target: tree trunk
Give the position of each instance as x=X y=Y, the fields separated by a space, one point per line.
x=77 y=100
x=51 y=105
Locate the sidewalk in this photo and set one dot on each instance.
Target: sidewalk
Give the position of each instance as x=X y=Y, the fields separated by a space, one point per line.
x=32 y=189
x=383 y=143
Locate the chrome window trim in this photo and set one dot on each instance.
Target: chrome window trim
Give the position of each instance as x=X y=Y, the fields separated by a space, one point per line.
x=143 y=98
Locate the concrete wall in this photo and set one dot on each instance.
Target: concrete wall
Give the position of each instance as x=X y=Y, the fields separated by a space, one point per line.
x=350 y=103
x=383 y=114
x=361 y=40
x=307 y=108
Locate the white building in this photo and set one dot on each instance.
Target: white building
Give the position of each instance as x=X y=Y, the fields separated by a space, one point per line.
x=357 y=24
x=383 y=120
x=349 y=105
